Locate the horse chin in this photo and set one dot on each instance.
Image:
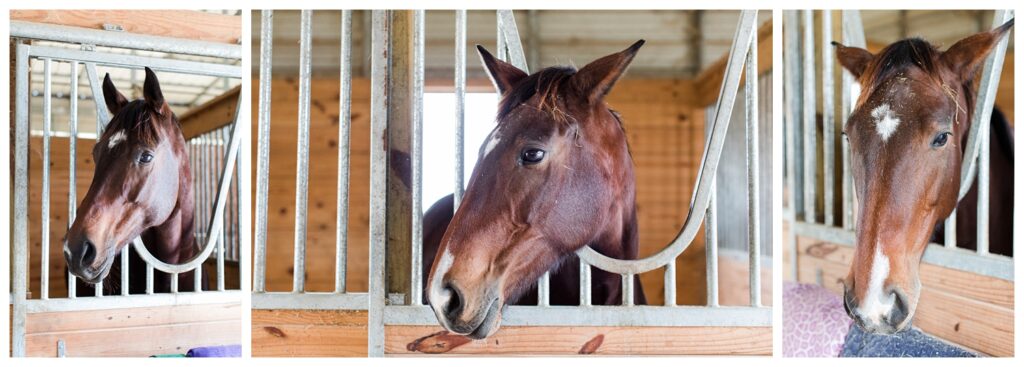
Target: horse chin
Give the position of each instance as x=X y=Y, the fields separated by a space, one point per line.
x=491 y=322
x=100 y=275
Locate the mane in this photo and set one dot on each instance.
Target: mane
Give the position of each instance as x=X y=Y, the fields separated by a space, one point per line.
x=546 y=83
x=135 y=121
x=912 y=53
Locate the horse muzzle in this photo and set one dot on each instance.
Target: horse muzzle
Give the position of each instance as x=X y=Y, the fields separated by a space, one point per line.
x=476 y=319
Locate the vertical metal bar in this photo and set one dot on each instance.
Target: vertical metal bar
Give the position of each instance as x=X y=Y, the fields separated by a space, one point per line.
x=711 y=248
x=460 y=105
x=828 y=116
x=220 y=262
x=585 y=284
x=984 y=174
x=502 y=48
x=72 y=163
x=124 y=271
x=753 y=176
x=984 y=104
x=344 y=137
x=627 y=289
x=416 y=292
x=102 y=115
x=853 y=35
x=378 y=186
x=44 y=245
x=98 y=289
x=544 y=290
x=149 y=278
x=174 y=282
x=20 y=220
x=810 y=130
x=949 y=241
x=263 y=151
x=510 y=37
x=791 y=94
x=302 y=176
x=670 y=283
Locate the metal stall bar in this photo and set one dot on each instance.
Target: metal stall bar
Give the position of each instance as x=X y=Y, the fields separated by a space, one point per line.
x=983 y=115
x=791 y=45
x=809 y=128
x=670 y=284
x=709 y=164
x=711 y=248
x=302 y=174
x=44 y=245
x=344 y=137
x=78 y=35
x=828 y=117
x=20 y=225
x=379 y=96
x=72 y=163
x=263 y=151
x=853 y=35
x=460 y=105
x=753 y=176
x=586 y=295
x=416 y=251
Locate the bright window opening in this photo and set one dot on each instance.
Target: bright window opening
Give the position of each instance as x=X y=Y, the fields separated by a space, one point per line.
x=439 y=139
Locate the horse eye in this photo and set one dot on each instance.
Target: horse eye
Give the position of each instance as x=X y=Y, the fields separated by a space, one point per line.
x=146 y=157
x=941 y=139
x=532 y=156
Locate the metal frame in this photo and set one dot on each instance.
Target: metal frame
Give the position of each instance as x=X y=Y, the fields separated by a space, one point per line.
x=802 y=156
x=89 y=57
x=397 y=309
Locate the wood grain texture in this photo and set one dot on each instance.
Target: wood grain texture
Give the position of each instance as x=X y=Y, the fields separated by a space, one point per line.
x=537 y=340
x=294 y=333
x=186 y=24
x=215 y=113
x=138 y=332
x=946 y=308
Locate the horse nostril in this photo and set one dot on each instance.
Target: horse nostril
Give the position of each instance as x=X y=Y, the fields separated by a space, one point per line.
x=454 y=306
x=899 y=311
x=88 y=254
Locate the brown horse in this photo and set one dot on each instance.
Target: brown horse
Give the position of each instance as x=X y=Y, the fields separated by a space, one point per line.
x=554 y=175
x=907 y=135
x=142 y=186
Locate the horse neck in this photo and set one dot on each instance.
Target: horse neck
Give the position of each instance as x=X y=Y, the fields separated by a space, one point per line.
x=174 y=239
x=621 y=239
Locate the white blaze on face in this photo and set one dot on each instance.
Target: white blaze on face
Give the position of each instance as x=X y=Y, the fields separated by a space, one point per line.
x=886 y=121
x=492 y=141
x=877 y=302
x=117 y=138
x=438 y=294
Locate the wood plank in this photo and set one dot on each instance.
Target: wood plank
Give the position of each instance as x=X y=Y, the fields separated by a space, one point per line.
x=54 y=322
x=215 y=113
x=136 y=341
x=544 y=340
x=294 y=333
x=966 y=284
x=984 y=327
x=186 y=24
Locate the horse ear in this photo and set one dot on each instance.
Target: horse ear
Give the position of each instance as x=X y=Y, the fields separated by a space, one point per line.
x=114 y=99
x=597 y=78
x=854 y=59
x=503 y=75
x=965 y=55
x=151 y=91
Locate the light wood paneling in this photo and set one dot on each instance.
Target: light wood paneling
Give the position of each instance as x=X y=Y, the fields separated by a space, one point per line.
x=186 y=24
x=313 y=333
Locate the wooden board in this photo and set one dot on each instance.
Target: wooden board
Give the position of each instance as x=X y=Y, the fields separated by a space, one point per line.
x=133 y=332
x=213 y=114
x=295 y=333
x=186 y=24
x=540 y=340
x=965 y=309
